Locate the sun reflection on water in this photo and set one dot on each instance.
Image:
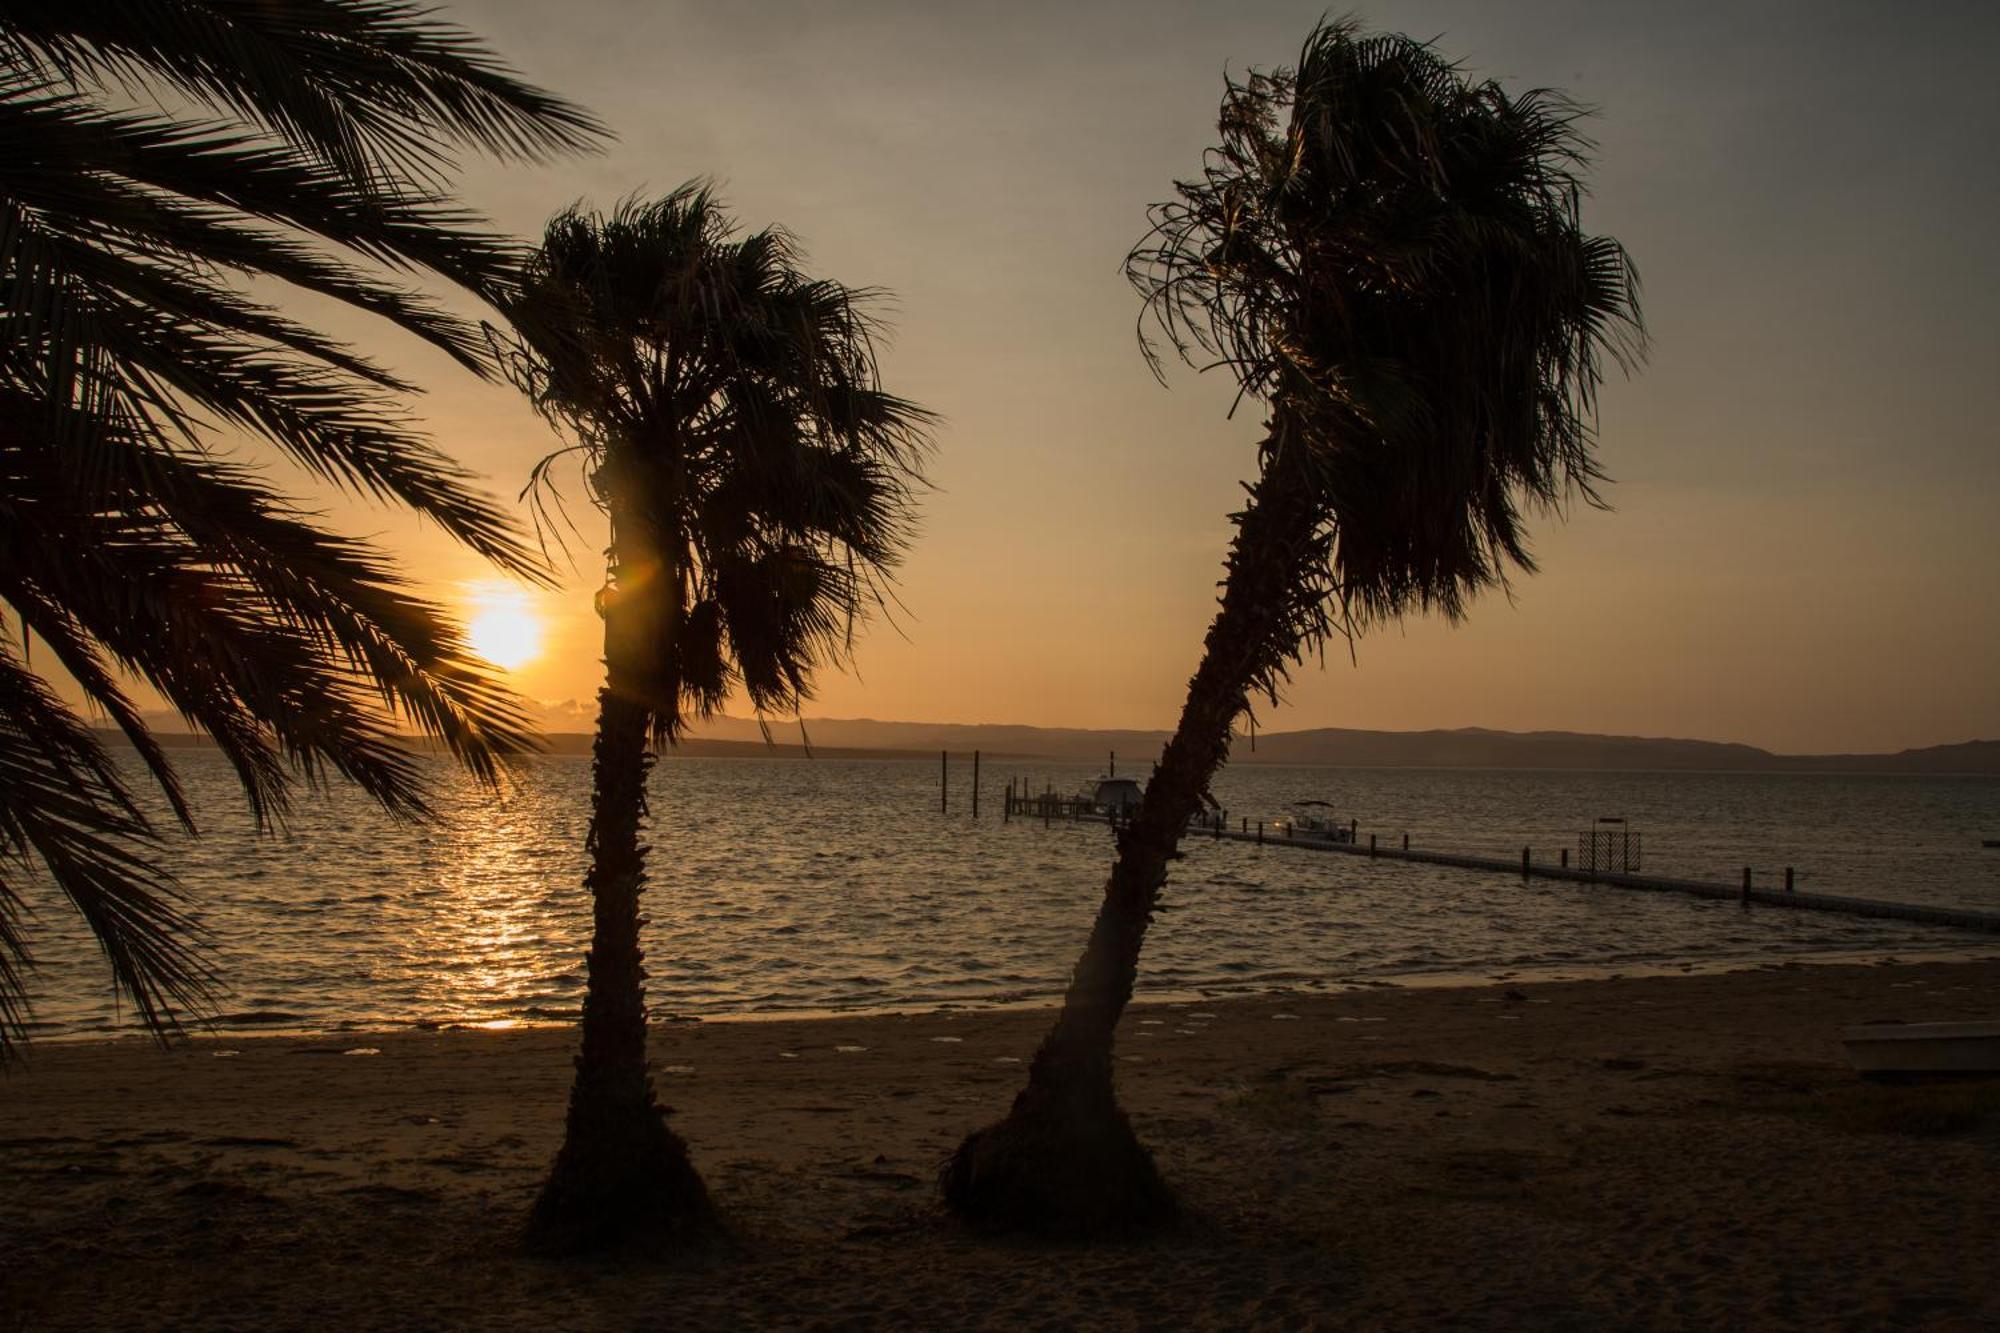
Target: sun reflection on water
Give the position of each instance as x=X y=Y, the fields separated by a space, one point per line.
x=484 y=943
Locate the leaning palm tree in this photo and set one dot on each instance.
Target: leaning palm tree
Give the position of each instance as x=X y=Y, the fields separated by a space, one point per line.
x=726 y=413
x=309 y=142
x=1388 y=255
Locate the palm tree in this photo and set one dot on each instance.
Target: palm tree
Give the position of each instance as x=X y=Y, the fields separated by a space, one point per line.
x=726 y=413
x=310 y=144
x=1387 y=254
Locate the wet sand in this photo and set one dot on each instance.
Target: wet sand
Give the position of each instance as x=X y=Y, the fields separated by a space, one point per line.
x=1685 y=1152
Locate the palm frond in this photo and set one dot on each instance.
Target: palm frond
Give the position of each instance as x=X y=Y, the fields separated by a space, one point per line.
x=65 y=812
x=379 y=88
x=303 y=141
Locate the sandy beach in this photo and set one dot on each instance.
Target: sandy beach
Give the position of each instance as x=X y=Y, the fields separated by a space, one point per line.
x=1677 y=1152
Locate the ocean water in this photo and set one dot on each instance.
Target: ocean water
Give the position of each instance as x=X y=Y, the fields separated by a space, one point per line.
x=784 y=886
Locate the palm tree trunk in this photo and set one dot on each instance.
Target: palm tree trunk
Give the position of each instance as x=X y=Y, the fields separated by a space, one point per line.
x=621 y=1173
x=1065 y=1159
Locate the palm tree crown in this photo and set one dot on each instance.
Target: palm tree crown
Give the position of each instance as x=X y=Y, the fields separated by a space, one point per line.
x=309 y=143
x=1390 y=255
x=726 y=412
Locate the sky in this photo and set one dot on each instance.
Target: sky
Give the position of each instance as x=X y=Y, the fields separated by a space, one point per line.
x=1802 y=543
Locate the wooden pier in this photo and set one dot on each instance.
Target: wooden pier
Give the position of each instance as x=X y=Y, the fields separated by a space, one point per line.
x=1048 y=807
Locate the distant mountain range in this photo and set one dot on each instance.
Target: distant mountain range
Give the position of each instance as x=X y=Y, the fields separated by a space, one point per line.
x=1470 y=747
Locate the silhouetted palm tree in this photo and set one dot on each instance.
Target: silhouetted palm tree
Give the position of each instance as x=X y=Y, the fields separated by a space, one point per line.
x=726 y=412
x=128 y=545
x=1389 y=255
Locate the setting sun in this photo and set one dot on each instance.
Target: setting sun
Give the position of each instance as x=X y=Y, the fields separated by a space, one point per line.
x=502 y=626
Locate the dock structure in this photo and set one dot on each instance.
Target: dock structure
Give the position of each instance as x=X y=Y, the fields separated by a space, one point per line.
x=1049 y=807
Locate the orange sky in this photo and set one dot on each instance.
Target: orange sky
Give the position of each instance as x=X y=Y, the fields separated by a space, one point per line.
x=1804 y=546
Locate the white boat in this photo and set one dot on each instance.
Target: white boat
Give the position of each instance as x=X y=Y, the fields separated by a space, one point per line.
x=1315 y=821
x=1116 y=796
x=1888 y=1050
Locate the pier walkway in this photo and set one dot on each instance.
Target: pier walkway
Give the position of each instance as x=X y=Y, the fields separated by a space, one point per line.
x=1050 y=808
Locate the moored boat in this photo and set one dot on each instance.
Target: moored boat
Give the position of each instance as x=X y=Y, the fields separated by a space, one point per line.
x=1315 y=821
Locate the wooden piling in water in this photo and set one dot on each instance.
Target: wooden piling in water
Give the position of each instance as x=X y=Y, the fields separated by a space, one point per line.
x=1745 y=899
x=944 y=782
x=975 y=784
x=1788 y=879
x=1526 y=864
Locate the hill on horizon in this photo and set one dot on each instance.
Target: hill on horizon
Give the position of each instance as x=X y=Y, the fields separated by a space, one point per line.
x=1336 y=747
x=1465 y=747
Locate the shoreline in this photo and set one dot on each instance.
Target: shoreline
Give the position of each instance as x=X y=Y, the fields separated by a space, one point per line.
x=1649 y=1152
x=1437 y=980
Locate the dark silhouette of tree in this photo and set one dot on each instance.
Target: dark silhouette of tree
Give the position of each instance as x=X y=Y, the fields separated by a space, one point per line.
x=309 y=143
x=725 y=411
x=1388 y=255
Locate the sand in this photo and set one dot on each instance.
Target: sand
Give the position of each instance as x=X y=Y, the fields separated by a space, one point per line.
x=1686 y=1152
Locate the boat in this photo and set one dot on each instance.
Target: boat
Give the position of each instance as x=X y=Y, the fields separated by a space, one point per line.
x=1315 y=821
x=1115 y=796
x=1915 y=1050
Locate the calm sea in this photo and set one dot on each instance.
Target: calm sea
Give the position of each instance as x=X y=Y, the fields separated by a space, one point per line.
x=782 y=886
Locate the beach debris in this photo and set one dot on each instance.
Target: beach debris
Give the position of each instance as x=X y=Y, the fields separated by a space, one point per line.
x=852 y=1050
x=224 y=1055
x=1006 y=1059
x=788 y=1055
x=950 y=1041
x=682 y=1070
x=1285 y=1018
x=362 y=1050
